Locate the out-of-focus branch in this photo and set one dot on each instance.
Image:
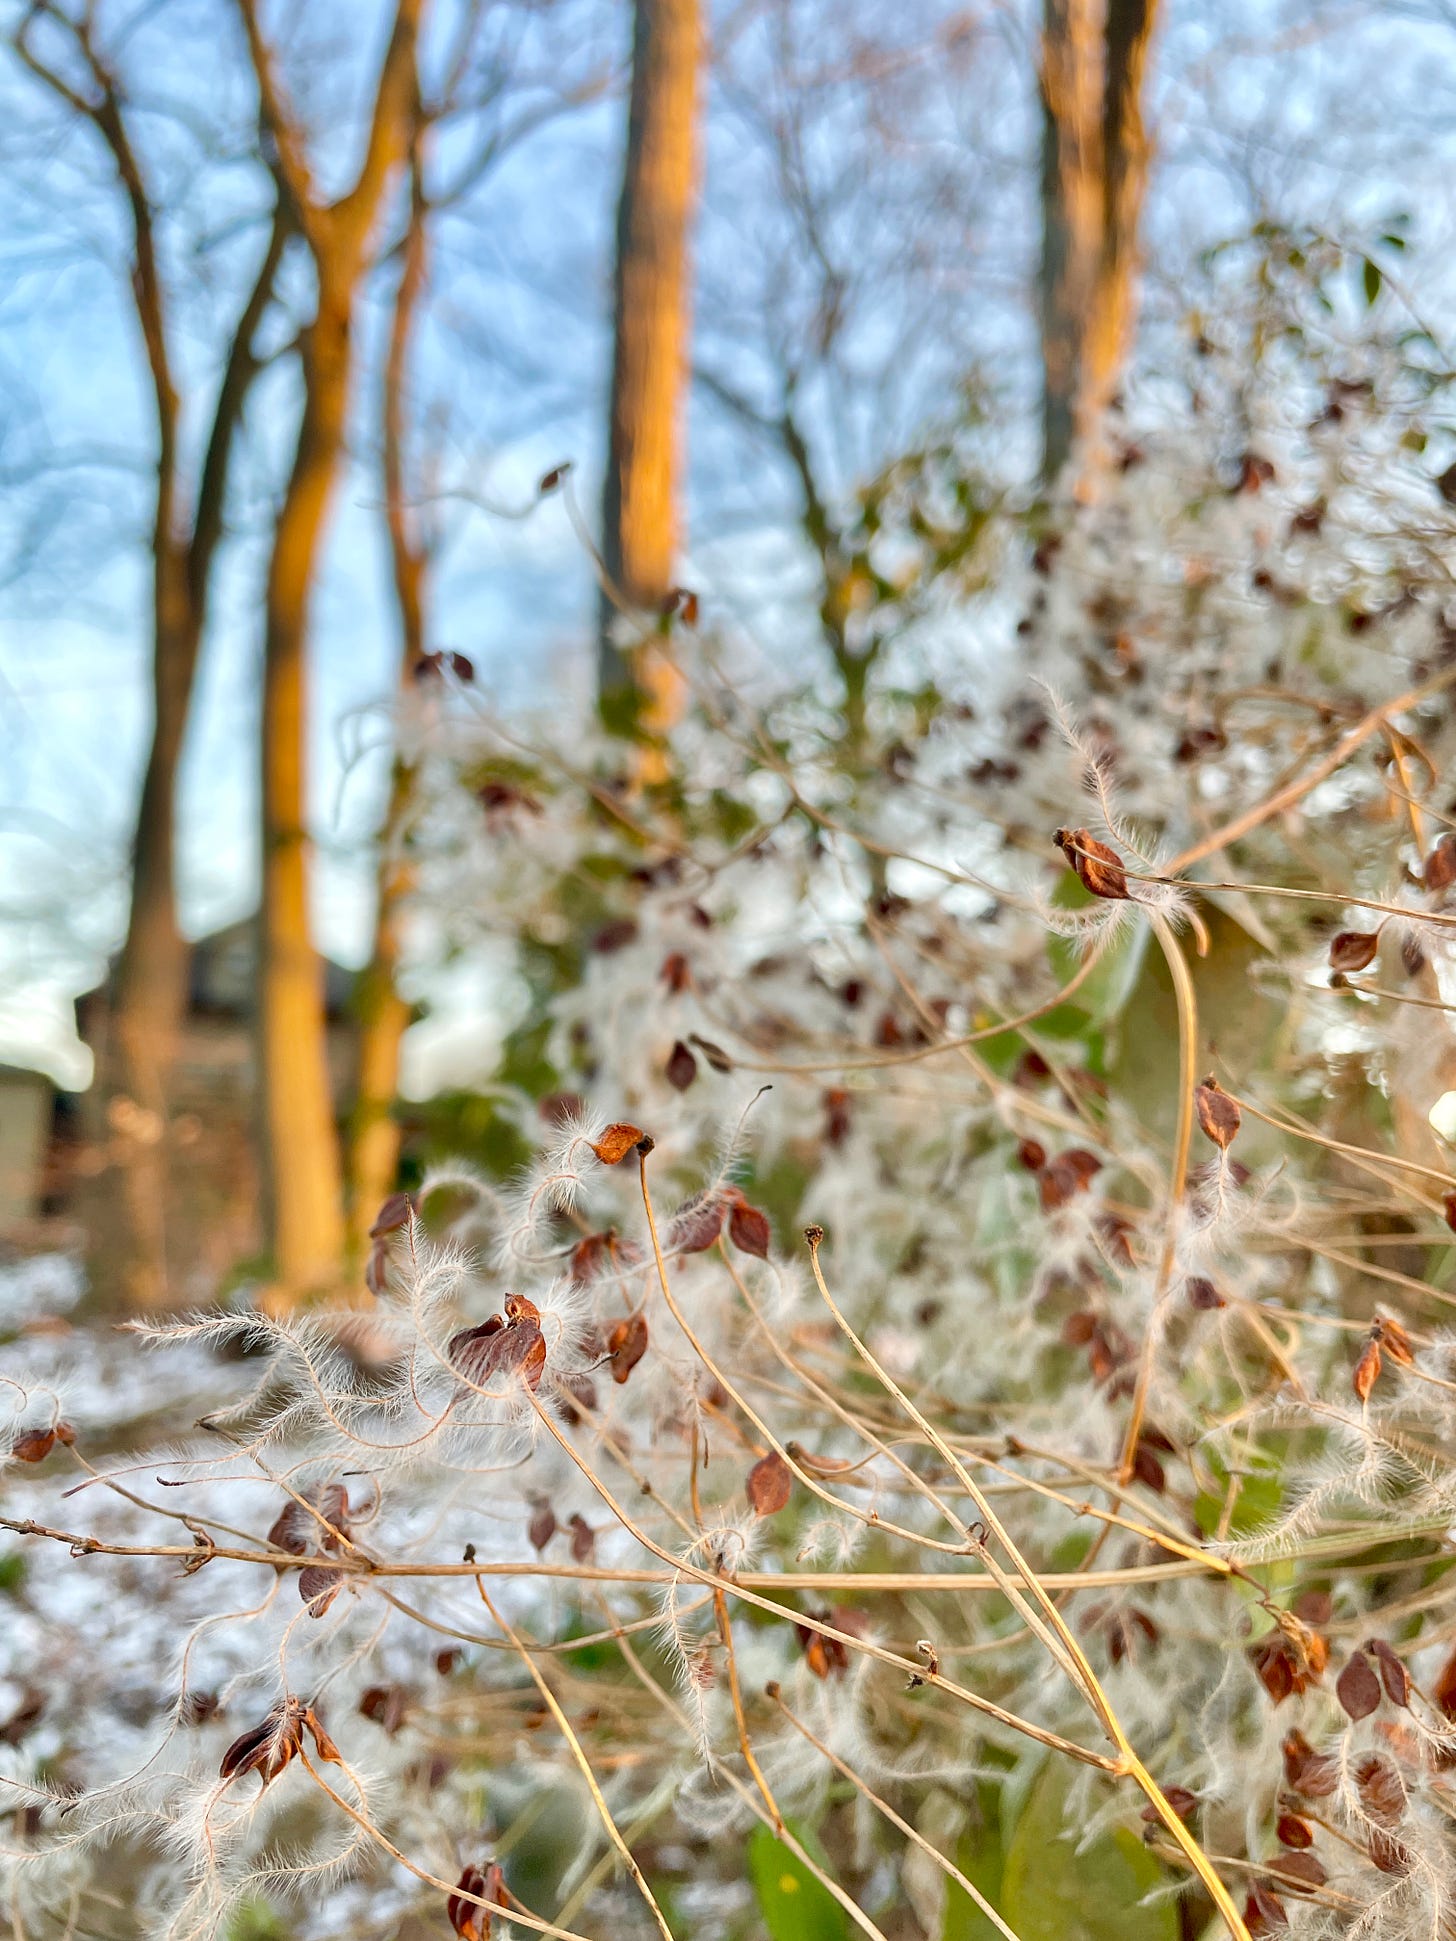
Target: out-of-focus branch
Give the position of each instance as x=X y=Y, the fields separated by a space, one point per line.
x=242 y=366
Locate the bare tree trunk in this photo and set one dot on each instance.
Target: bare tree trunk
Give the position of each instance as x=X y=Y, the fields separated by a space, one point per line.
x=301 y=1158
x=649 y=365
x=149 y=990
x=373 y=1158
x=1071 y=197
x=1095 y=154
x=150 y=994
x=301 y=1153
x=1126 y=153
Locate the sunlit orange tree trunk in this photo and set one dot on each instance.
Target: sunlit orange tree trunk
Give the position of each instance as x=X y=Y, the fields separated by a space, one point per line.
x=1095 y=154
x=301 y=1155
x=374 y=1138
x=640 y=521
x=149 y=984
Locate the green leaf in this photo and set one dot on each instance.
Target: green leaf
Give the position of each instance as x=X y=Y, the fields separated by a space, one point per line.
x=255 y=1920
x=982 y=1859
x=1260 y=1497
x=1372 y=280
x=794 y=1906
x=1051 y=1891
x=1105 y=993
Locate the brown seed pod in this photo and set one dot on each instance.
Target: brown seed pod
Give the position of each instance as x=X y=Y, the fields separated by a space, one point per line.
x=1315 y=1774
x=769 y=1485
x=1393 y=1674
x=317 y=1519
x=1292 y=1831
x=394 y=1214
x=33 y=1445
x=681 y=1068
x=1394 y=1340
x=1098 y=868
x=676 y=973
x=603 y=1253
x=838 y=1118
x=1280 y=1669
x=198 y=1707
x=1367 y=1371
x=270 y=1745
x=386 y=1705
x=749 y=1229
x=1218 y=1115
x=323 y=1744
x=626 y=1345
x=1381 y=1790
x=1068 y=1174
x=1303 y=1867
x=1353 y=950
x=1202 y=1293
x=542 y=1527
x=318 y=1586
x=499 y=1349
x=616 y=1142
x=826 y=1657
x=469 y=1919
x=714 y=1056
x=1147 y=1469
x=1440 y=870
x=1264 y=1912
x=1389 y=1855
x=1357 y=1687
x=1183 y=1803
x=696 y=1224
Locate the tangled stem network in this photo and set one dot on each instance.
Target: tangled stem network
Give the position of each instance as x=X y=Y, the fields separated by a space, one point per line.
x=1095 y=1465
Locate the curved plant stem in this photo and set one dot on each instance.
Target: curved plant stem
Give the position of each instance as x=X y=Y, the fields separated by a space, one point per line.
x=518 y=1912
x=614 y=1832
x=1177 y=1180
x=1292 y=792
x=1128 y=1764
x=946 y=1865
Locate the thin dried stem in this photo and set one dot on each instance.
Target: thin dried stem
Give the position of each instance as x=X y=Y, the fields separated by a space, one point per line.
x=549 y=1699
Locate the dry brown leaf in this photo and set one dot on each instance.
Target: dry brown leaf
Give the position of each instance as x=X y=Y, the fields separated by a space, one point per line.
x=616 y=1142
x=770 y=1484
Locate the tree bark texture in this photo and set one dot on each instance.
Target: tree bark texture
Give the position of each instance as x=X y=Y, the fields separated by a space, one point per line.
x=1095 y=158
x=651 y=311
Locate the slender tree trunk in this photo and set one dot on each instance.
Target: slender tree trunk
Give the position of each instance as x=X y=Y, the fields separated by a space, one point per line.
x=149 y=992
x=302 y=1163
x=305 y=1185
x=374 y=1140
x=1071 y=197
x=649 y=365
x=1126 y=153
x=1095 y=155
